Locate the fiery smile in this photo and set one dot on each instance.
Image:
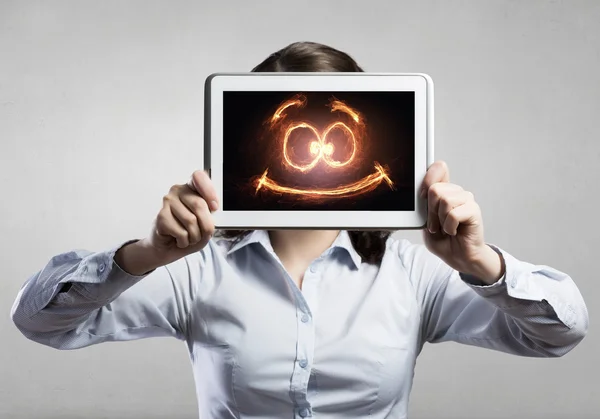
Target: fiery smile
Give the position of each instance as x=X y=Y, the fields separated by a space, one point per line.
x=321 y=149
x=366 y=184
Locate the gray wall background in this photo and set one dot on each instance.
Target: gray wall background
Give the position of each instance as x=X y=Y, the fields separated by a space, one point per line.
x=101 y=111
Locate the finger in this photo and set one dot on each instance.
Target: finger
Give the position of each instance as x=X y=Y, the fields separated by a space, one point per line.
x=437 y=172
x=451 y=200
x=199 y=208
x=207 y=227
x=167 y=225
x=467 y=213
x=187 y=219
x=201 y=183
x=434 y=194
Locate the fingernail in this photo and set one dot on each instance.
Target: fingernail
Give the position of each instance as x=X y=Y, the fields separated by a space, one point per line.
x=214 y=206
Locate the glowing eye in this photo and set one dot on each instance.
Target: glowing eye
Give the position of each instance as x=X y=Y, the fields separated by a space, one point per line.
x=314 y=148
x=328 y=150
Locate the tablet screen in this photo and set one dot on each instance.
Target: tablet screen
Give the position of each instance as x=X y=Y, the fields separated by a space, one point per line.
x=318 y=151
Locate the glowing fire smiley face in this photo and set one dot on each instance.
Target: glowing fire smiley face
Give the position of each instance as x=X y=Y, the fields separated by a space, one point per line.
x=321 y=148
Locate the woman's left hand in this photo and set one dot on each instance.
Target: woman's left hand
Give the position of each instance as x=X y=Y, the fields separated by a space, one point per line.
x=454 y=230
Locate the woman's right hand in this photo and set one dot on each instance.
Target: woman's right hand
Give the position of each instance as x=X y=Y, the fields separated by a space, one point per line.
x=184 y=225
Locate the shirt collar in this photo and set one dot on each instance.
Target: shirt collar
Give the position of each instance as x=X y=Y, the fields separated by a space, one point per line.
x=342 y=241
x=255 y=236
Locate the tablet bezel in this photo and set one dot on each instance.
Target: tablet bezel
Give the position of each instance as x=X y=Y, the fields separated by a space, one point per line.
x=420 y=84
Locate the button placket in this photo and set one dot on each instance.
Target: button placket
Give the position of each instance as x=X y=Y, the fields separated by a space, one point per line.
x=301 y=374
x=305 y=342
x=306 y=329
x=310 y=286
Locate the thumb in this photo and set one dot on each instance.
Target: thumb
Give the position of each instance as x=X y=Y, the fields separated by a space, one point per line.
x=201 y=184
x=191 y=185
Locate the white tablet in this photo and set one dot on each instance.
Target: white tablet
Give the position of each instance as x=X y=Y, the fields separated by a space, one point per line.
x=318 y=150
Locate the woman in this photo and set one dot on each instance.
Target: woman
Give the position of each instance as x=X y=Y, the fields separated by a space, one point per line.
x=303 y=323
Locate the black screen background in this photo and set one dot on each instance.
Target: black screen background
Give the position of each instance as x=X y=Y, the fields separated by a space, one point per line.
x=249 y=148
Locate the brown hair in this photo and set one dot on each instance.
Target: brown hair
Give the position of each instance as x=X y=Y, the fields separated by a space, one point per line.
x=314 y=57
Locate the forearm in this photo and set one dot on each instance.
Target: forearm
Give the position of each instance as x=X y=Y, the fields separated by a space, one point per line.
x=489 y=266
x=531 y=310
x=137 y=258
x=544 y=306
x=103 y=302
x=67 y=290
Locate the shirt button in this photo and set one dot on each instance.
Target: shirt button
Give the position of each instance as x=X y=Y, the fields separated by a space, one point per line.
x=513 y=283
x=101 y=267
x=303 y=363
x=313 y=269
x=304 y=412
x=304 y=318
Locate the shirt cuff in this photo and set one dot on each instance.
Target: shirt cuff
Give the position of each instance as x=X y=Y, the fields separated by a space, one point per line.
x=524 y=284
x=99 y=278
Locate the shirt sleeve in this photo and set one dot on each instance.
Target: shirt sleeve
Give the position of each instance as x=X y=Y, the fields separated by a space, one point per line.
x=533 y=310
x=81 y=298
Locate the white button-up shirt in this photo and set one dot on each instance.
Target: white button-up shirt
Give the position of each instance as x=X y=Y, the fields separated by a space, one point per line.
x=343 y=346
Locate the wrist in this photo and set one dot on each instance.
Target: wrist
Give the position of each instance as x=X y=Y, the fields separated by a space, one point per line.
x=488 y=266
x=137 y=258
